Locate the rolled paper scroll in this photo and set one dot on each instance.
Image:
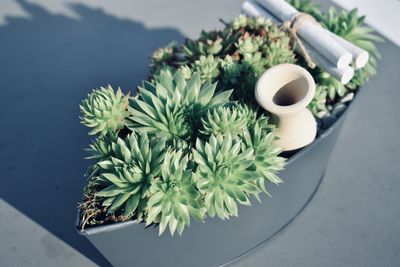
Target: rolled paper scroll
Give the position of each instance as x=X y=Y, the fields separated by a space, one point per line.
x=311 y=32
x=254 y=10
x=360 y=56
x=344 y=75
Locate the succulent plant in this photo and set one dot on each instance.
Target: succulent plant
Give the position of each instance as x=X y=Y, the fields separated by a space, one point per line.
x=253 y=65
x=209 y=43
x=164 y=54
x=248 y=46
x=104 y=110
x=169 y=106
x=239 y=22
x=251 y=25
x=331 y=85
x=224 y=174
x=318 y=104
x=260 y=24
x=260 y=137
x=127 y=174
x=207 y=66
x=230 y=70
x=185 y=71
x=100 y=149
x=279 y=52
x=170 y=55
x=251 y=70
x=173 y=196
x=225 y=120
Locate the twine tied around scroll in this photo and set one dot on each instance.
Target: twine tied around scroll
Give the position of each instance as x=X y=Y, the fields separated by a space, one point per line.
x=293 y=26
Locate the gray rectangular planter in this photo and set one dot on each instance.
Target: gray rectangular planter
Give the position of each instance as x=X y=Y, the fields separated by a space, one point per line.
x=217 y=242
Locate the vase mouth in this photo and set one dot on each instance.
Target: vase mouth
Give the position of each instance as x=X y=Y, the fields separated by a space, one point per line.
x=285 y=88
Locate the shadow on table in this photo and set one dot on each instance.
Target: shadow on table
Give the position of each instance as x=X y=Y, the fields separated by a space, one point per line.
x=48 y=65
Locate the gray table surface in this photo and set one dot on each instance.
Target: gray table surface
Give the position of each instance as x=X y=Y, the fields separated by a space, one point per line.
x=53 y=52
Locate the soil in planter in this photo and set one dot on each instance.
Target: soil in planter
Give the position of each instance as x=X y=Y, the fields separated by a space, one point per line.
x=93 y=213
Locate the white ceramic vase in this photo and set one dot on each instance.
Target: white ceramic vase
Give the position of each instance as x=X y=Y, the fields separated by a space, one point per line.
x=286 y=90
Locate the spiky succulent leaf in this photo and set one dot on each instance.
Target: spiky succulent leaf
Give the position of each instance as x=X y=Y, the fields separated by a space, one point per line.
x=207 y=66
x=173 y=196
x=104 y=110
x=100 y=149
x=230 y=70
x=185 y=71
x=249 y=45
x=127 y=174
x=169 y=106
x=239 y=22
x=209 y=43
x=164 y=54
x=331 y=85
x=279 y=52
x=318 y=104
x=224 y=174
x=260 y=138
x=225 y=120
x=170 y=55
x=252 y=25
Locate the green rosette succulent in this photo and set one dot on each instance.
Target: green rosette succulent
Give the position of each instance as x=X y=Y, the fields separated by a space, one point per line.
x=250 y=25
x=209 y=43
x=249 y=45
x=170 y=55
x=173 y=196
x=318 y=103
x=259 y=137
x=169 y=106
x=125 y=177
x=225 y=120
x=100 y=149
x=231 y=70
x=224 y=175
x=279 y=52
x=333 y=87
x=104 y=110
x=208 y=67
x=164 y=54
x=185 y=71
x=239 y=22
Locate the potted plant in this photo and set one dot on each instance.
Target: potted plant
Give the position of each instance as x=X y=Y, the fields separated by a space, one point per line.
x=192 y=147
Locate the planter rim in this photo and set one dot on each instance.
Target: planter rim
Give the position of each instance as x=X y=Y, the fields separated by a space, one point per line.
x=118 y=225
